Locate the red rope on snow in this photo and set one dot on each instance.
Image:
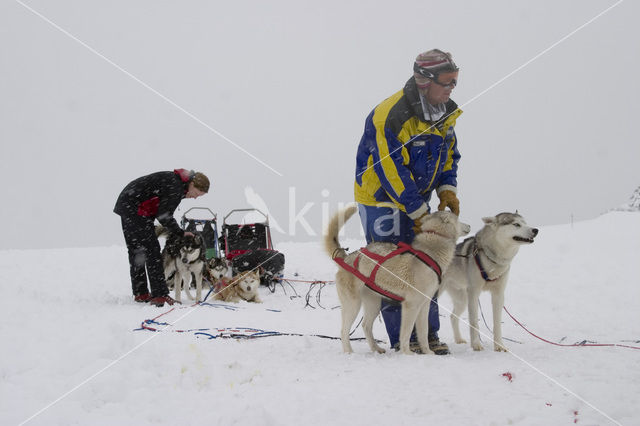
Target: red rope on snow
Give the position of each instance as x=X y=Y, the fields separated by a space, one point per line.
x=566 y=345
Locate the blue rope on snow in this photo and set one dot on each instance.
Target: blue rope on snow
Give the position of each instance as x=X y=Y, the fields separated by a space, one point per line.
x=235 y=333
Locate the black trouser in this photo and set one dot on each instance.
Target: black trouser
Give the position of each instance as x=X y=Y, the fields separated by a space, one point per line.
x=144 y=251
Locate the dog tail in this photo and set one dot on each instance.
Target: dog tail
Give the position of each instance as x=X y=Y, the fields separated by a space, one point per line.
x=331 y=242
x=161 y=231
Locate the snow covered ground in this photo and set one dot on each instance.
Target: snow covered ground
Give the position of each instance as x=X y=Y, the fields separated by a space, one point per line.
x=71 y=353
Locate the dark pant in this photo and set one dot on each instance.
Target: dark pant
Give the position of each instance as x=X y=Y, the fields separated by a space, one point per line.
x=144 y=252
x=386 y=224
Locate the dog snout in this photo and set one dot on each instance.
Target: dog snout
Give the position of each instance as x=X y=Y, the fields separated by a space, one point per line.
x=534 y=231
x=185 y=260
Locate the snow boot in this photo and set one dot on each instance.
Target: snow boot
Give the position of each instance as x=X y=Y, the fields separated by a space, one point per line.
x=142 y=298
x=159 y=301
x=438 y=347
x=414 y=346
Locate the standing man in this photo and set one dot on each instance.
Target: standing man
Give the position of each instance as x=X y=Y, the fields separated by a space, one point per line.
x=155 y=196
x=409 y=148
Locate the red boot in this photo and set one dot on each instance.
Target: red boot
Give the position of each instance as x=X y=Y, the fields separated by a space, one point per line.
x=159 y=301
x=142 y=298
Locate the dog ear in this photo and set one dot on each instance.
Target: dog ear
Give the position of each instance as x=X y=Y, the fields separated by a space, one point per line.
x=464 y=228
x=489 y=220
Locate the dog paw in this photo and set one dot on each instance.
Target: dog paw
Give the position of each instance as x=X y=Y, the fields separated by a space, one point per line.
x=500 y=348
x=477 y=347
x=460 y=341
x=426 y=351
x=376 y=348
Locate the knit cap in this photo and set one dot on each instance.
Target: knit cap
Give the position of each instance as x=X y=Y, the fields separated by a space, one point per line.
x=430 y=64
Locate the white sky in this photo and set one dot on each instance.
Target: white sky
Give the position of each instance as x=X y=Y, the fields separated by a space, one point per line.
x=291 y=82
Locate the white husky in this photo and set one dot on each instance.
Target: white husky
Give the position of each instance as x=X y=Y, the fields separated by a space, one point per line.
x=405 y=276
x=482 y=262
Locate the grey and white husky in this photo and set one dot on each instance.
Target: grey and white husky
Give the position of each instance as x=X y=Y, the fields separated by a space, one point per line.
x=403 y=275
x=216 y=269
x=482 y=263
x=183 y=258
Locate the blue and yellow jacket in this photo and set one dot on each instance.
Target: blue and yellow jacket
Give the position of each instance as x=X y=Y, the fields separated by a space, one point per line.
x=402 y=157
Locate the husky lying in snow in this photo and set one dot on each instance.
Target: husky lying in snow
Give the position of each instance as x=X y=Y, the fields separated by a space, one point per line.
x=482 y=263
x=403 y=275
x=183 y=257
x=243 y=286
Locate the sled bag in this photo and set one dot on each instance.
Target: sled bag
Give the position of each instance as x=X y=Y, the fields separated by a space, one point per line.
x=271 y=261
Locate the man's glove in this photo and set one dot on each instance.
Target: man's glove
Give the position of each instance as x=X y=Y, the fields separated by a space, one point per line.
x=449 y=199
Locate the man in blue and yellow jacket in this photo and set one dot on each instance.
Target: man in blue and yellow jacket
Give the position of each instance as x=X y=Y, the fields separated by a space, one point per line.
x=409 y=148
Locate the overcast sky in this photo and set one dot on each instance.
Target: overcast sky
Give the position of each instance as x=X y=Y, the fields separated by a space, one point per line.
x=269 y=100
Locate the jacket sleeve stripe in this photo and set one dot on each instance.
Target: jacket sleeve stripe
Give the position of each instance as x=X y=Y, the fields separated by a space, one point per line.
x=392 y=156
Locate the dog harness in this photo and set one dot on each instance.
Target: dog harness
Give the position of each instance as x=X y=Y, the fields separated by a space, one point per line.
x=370 y=281
x=475 y=250
x=483 y=273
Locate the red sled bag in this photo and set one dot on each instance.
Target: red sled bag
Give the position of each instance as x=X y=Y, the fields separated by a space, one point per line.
x=248 y=246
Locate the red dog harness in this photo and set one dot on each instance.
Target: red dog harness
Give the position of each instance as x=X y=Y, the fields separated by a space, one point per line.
x=370 y=281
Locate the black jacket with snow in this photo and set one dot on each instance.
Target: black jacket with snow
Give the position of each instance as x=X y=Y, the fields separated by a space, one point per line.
x=155 y=196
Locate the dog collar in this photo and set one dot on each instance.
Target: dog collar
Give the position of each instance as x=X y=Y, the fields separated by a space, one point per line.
x=483 y=273
x=462 y=251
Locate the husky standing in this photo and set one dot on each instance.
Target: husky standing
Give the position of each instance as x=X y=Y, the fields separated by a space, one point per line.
x=183 y=256
x=406 y=277
x=482 y=262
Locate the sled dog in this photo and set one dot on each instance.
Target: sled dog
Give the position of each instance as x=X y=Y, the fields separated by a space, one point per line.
x=243 y=286
x=216 y=269
x=183 y=257
x=404 y=275
x=482 y=262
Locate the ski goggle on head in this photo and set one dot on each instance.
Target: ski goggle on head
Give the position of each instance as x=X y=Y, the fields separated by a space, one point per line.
x=434 y=76
x=439 y=63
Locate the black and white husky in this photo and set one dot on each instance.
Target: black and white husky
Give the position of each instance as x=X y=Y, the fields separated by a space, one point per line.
x=183 y=258
x=216 y=269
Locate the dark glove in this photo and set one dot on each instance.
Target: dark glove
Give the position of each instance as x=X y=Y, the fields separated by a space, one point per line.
x=449 y=199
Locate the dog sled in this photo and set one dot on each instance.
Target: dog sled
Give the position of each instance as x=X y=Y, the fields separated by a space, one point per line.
x=207 y=228
x=248 y=246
